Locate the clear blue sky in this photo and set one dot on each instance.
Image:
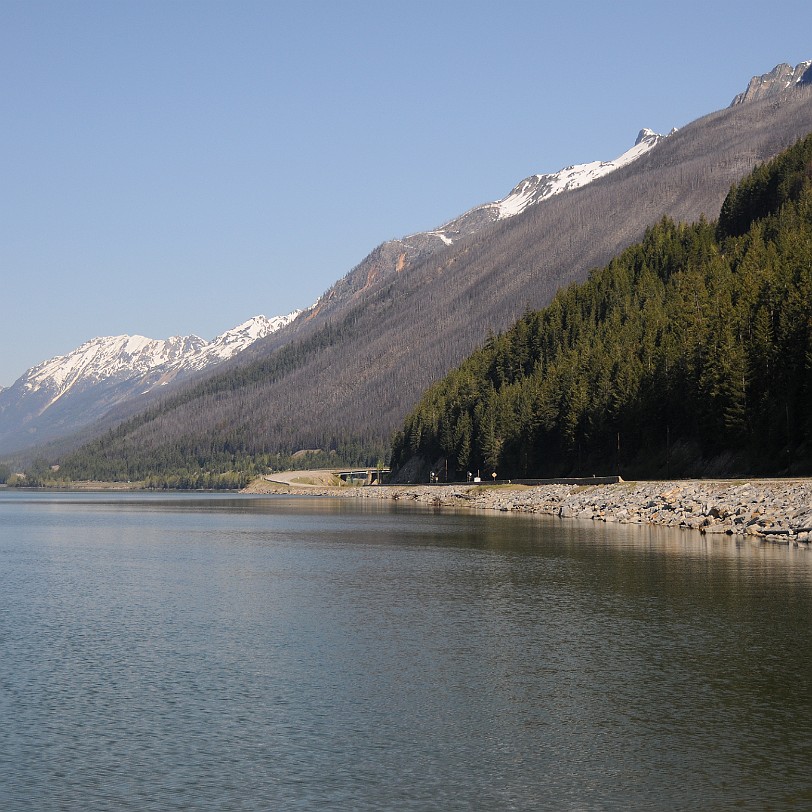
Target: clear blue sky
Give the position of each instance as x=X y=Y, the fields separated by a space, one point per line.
x=177 y=167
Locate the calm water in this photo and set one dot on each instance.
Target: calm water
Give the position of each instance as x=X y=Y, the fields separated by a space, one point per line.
x=261 y=653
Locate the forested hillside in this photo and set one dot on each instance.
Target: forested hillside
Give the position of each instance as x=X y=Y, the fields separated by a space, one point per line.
x=690 y=353
x=344 y=378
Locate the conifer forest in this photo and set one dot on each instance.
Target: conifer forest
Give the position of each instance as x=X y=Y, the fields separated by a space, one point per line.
x=688 y=354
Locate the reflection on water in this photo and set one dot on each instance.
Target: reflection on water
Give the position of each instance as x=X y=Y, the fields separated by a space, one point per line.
x=221 y=652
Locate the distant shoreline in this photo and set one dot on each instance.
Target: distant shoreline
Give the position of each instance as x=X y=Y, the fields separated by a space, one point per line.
x=775 y=510
x=778 y=510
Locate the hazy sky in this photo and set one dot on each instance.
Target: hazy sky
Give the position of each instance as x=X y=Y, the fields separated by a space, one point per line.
x=177 y=167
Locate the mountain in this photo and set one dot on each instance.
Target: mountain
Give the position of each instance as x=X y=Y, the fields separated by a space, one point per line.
x=109 y=372
x=234 y=341
x=672 y=360
x=780 y=78
x=70 y=391
x=535 y=189
x=394 y=255
x=344 y=374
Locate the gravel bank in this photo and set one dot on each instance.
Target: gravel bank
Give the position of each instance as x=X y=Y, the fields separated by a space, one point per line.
x=775 y=510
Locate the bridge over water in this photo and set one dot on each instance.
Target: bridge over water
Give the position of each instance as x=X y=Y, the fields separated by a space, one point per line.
x=363 y=476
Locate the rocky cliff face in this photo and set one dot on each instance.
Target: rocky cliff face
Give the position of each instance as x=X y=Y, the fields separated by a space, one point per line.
x=779 y=79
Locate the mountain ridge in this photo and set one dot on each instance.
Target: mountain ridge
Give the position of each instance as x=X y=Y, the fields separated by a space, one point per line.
x=780 y=78
x=392 y=256
x=106 y=370
x=159 y=362
x=353 y=363
x=345 y=376
x=536 y=188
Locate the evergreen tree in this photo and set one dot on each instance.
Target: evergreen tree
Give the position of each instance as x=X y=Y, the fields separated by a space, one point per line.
x=700 y=336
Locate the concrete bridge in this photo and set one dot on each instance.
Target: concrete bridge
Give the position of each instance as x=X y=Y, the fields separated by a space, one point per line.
x=363 y=476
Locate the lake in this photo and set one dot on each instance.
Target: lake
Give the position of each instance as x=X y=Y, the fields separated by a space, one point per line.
x=230 y=652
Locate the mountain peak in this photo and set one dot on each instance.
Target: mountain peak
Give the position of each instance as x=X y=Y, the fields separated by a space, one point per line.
x=780 y=78
x=238 y=338
x=646 y=134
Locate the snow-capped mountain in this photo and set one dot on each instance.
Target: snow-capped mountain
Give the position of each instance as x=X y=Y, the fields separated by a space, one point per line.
x=394 y=256
x=538 y=188
x=107 y=357
x=64 y=393
x=126 y=357
x=395 y=325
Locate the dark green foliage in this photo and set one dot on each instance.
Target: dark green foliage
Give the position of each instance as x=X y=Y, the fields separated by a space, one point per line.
x=191 y=464
x=767 y=188
x=690 y=352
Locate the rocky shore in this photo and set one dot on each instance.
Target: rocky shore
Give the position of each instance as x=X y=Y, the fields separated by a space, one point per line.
x=774 y=510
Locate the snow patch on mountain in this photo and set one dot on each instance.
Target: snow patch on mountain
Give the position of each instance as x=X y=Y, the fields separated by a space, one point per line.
x=237 y=339
x=108 y=357
x=537 y=188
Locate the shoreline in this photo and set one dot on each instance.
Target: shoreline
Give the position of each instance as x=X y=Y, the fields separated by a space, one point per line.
x=771 y=510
